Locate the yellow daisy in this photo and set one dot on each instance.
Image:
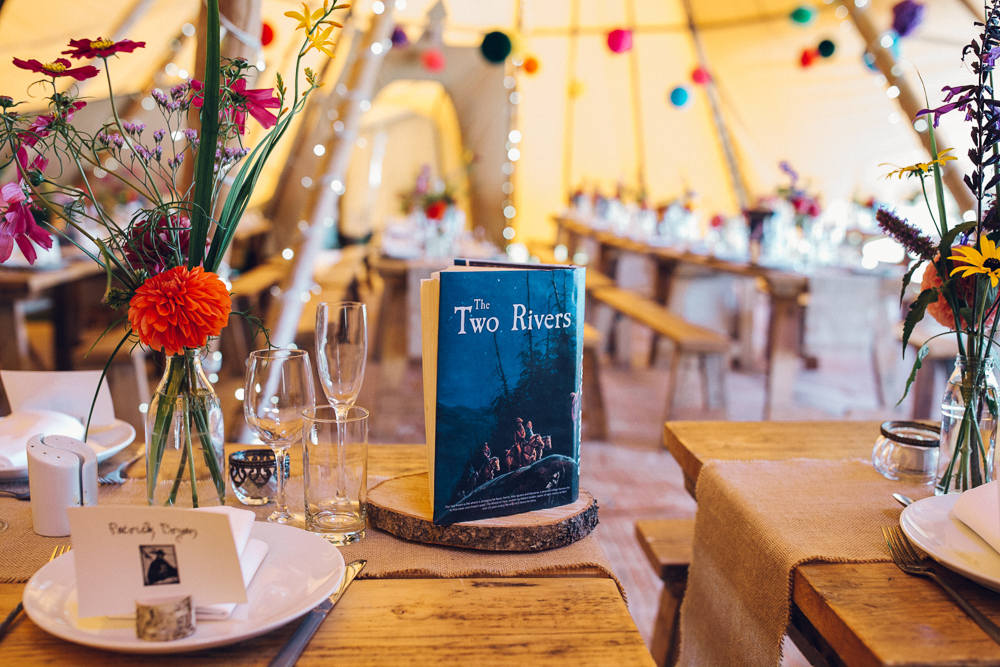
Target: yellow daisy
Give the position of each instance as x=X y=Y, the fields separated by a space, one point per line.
x=920 y=168
x=986 y=260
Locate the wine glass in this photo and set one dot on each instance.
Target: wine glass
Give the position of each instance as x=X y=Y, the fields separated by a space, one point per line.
x=279 y=387
x=341 y=351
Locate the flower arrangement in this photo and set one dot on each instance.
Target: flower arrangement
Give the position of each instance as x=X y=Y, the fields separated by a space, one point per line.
x=433 y=202
x=962 y=268
x=805 y=206
x=162 y=263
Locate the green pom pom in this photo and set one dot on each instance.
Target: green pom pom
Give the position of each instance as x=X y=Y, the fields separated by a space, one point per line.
x=826 y=48
x=803 y=14
x=495 y=47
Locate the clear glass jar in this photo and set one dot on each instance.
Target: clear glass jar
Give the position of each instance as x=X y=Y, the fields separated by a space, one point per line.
x=185 y=437
x=968 y=426
x=907 y=451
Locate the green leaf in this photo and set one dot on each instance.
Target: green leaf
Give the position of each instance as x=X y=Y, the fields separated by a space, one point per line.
x=938 y=184
x=204 y=170
x=953 y=233
x=916 y=313
x=908 y=277
x=917 y=364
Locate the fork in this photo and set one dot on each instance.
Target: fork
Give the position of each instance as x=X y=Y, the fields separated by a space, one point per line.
x=115 y=476
x=5 y=626
x=911 y=561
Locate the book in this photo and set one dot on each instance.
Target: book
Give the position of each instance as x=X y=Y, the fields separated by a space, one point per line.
x=502 y=364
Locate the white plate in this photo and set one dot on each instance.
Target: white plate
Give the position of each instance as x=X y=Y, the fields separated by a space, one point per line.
x=106 y=442
x=931 y=525
x=300 y=571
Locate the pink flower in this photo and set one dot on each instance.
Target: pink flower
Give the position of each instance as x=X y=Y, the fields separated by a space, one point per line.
x=257 y=101
x=156 y=244
x=59 y=67
x=18 y=224
x=100 y=47
x=40 y=127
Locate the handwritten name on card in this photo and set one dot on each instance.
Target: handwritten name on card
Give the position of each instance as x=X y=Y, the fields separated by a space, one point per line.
x=125 y=553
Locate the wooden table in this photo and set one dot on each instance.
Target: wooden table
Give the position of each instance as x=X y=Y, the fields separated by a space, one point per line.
x=571 y=620
x=849 y=614
x=19 y=285
x=787 y=291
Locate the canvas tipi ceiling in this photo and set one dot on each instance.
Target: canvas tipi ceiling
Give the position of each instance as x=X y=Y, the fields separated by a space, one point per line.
x=595 y=117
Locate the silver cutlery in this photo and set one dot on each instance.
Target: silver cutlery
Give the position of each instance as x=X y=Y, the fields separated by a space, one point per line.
x=19 y=495
x=902 y=500
x=116 y=476
x=5 y=625
x=293 y=648
x=911 y=561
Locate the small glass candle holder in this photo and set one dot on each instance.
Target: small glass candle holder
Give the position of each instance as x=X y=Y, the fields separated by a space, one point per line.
x=251 y=475
x=907 y=451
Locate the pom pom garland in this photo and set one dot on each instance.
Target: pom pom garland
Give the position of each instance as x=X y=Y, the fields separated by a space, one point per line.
x=620 y=41
x=495 y=47
x=680 y=96
x=432 y=60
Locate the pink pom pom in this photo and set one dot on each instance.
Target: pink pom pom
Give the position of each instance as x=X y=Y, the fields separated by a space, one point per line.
x=432 y=60
x=620 y=40
x=700 y=76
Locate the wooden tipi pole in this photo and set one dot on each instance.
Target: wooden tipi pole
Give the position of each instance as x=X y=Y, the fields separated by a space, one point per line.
x=736 y=178
x=284 y=317
x=910 y=103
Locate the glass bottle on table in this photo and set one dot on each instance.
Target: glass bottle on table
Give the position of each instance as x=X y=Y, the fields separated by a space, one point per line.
x=279 y=387
x=341 y=353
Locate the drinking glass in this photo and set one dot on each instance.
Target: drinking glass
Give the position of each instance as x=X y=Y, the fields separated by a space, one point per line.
x=279 y=387
x=341 y=351
x=335 y=465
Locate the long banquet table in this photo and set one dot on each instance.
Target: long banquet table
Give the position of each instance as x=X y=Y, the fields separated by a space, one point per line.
x=848 y=613
x=786 y=290
x=564 y=618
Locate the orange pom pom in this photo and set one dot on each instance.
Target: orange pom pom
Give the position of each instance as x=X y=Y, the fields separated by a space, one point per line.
x=530 y=65
x=179 y=309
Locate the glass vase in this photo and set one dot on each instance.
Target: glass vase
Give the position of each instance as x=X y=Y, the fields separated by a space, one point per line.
x=968 y=426
x=185 y=437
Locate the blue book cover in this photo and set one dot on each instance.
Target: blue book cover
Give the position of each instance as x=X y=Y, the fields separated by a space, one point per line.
x=506 y=433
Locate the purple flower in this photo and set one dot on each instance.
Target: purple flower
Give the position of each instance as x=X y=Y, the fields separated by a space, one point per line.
x=906 y=16
x=905 y=234
x=160 y=97
x=175 y=162
x=158 y=135
x=990 y=57
x=135 y=129
x=190 y=134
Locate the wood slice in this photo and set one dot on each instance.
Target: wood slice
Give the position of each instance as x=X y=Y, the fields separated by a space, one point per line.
x=402 y=506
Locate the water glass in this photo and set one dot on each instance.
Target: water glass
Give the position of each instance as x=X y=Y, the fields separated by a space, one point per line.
x=907 y=451
x=335 y=465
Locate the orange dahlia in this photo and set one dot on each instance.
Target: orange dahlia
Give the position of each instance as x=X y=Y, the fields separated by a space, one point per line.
x=179 y=308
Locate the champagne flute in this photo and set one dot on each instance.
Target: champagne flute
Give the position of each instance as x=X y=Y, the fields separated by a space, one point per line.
x=341 y=353
x=279 y=387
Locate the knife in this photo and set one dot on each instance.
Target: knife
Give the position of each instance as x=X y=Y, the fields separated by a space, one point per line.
x=293 y=648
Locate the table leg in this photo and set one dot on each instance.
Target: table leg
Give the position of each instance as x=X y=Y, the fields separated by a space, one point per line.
x=66 y=322
x=783 y=347
x=662 y=290
x=14 y=351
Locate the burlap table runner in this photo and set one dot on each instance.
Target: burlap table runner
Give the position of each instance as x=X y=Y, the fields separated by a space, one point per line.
x=22 y=552
x=757 y=521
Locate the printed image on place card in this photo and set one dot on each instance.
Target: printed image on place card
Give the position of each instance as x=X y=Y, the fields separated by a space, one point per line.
x=125 y=553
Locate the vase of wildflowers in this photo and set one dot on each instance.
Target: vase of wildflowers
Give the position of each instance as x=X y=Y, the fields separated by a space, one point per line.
x=162 y=263
x=962 y=269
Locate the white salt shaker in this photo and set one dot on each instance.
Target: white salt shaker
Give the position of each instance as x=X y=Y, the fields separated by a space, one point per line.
x=62 y=472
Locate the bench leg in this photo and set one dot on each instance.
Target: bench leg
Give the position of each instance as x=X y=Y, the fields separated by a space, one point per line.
x=666 y=632
x=675 y=367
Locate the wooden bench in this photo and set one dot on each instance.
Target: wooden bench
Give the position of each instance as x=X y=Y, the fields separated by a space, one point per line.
x=687 y=338
x=667 y=545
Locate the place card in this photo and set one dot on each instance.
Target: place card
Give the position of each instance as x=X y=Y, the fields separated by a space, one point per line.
x=128 y=553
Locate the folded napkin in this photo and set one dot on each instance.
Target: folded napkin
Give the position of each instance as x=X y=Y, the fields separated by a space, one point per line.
x=18 y=427
x=979 y=509
x=251 y=552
